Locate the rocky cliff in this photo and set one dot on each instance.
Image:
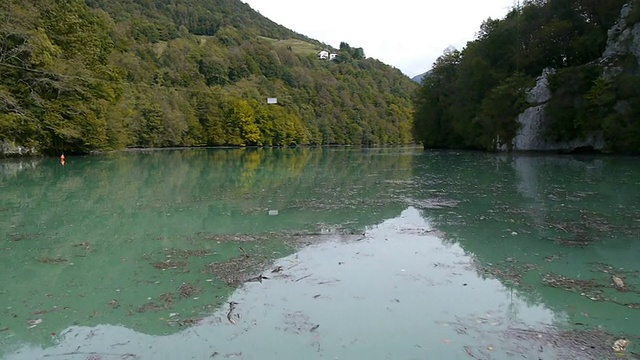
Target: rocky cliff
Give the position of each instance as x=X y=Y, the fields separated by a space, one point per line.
x=623 y=39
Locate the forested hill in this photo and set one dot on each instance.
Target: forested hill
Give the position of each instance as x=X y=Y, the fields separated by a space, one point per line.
x=80 y=76
x=474 y=96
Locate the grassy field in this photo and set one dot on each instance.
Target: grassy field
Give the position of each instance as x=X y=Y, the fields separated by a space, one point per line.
x=298 y=46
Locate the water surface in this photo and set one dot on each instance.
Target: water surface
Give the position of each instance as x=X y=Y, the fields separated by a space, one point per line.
x=367 y=253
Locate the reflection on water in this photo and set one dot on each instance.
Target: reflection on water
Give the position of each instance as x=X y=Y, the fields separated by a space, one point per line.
x=464 y=255
x=399 y=293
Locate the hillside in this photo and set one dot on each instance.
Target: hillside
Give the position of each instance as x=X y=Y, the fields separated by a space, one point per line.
x=478 y=97
x=83 y=76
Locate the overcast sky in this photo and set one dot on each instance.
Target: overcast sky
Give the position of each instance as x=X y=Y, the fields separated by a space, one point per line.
x=408 y=34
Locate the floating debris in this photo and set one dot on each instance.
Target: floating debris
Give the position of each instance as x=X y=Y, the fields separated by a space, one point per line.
x=114 y=304
x=573 y=285
x=49 y=260
x=33 y=323
x=237 y=270
x=85 y=245
x=620 y=345
x=230 y=314
x=258 y=278
x=165 y=301
x=169 y=265
x=619 y=283
x=188 y=290
x=185 y=322
x=510 y=270
x=183 y=254
x=570 y=344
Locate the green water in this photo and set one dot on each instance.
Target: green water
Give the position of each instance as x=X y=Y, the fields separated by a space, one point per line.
x=380 y=254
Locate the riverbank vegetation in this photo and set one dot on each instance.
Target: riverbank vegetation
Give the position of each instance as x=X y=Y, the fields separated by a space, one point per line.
x=472 y=97
x=97 y=75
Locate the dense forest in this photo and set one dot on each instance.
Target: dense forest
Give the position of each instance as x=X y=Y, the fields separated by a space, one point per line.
x=79 y=76
x=472 y=97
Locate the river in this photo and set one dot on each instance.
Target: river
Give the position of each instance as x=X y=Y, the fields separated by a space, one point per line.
x=320 y=253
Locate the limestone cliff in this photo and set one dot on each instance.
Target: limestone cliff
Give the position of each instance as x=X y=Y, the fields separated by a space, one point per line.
x=622 y=39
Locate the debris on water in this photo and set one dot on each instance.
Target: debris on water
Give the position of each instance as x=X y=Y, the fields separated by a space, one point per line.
x=618 y=282
x=49 y=260
x=298 y=323
x=184 y=254
x=33 y=323
x=315 y=327
x=258 y=278
x=222 y=238
x=571 y=344
x=55 y=308
x=332 y=281
x=237 y=270
x=85 y=245
x=316 y=296
x=273 y=212
x=588 y=288
x=187 y=290
x=620 y=345
x=185 y=322
x=4 y=329
x=302 y=278
x=233 y=355
x=509 y=269
x=114 y=304
x=169 y=264
x=230 y=314
x=243 y=251
x=434 y=203
x=165 y=301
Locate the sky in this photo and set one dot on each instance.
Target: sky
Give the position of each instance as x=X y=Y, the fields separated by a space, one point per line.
x=407 y=34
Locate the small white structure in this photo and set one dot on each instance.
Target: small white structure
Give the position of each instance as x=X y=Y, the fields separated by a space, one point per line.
x=272 y=100
x=332 y=56
x=323 y=55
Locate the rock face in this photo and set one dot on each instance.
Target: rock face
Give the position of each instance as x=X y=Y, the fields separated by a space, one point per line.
x=622 y=40
x=10 y=149
x=530 y=137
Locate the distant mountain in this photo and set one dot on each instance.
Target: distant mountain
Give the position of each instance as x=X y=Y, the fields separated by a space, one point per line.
x=420 y=78
x=79 y=76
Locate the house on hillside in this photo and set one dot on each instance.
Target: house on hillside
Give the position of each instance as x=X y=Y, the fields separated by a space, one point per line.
x=325 y=55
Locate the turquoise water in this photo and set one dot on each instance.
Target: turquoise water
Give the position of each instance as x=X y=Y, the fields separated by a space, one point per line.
x=378 y=253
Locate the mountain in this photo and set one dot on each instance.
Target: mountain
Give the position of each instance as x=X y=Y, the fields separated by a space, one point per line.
x=420 y=78
x=551 y=75
x=81 y=76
